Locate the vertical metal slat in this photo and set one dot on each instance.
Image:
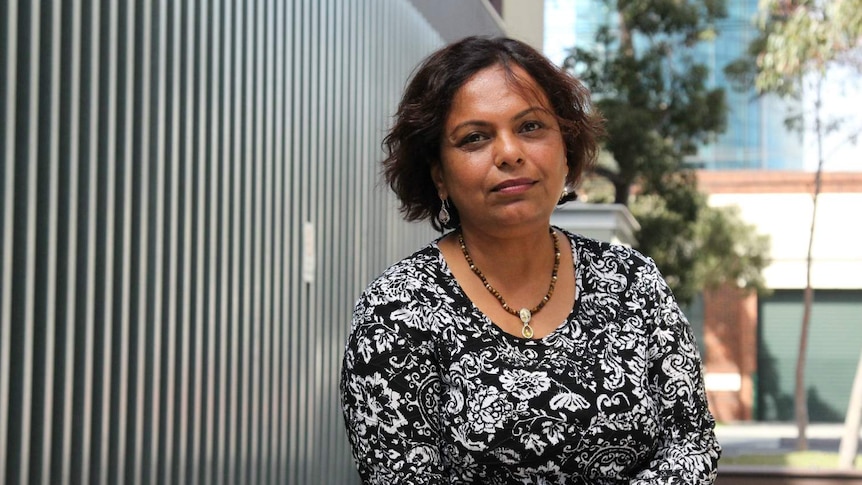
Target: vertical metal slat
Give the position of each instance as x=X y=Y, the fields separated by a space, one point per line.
x=224 y=456
x=213 y=318
x=295 y=220
x=143 y=466
x=198 y=405
x=10 y=94
x=107 y=299
x=27 y=292
x=126 y=124
x=71 y=291
x=190 y=180
x=89 y=296
x=264 y=221
x=52 y=243
x=289 y=247
x=235 y=167
x=171 y=19
x=278 y=159
x=246 y=321
x=160 y=161
x=254 y=325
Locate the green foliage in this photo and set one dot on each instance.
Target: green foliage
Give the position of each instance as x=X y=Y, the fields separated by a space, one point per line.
x=799 y=37
x=730 y=250
x=695 y=245
x=657 y=105
x=805 y=36
x=659 y=110
x=689 y=20
x=667 y=232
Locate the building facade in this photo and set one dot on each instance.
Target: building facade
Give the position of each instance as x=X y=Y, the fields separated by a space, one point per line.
x=753 y=342
x=190 y=206
x=755 y=137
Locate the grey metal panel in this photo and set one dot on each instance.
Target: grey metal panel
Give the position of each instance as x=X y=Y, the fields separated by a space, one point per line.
x=222 y=192
x=26 y=298
x=107 y=159
x=141 y=155
x=208 y=115
x=190 y=334
x=293 y=228
x=158 y=187
x=82 y=457
x=50 y=287
x=62 y=468
x=119 y=160
x=281 y=286
x=9 y=93
x=455 y=19
x=159 y=167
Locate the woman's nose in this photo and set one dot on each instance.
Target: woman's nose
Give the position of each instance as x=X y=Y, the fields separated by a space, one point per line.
x=508 y=150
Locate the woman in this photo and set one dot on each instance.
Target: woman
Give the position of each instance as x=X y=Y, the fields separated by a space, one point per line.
x=510 y=351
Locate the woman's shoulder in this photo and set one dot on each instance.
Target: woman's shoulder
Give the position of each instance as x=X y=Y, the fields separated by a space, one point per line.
x=399 y=304
x=401 y=279
x=590 y=250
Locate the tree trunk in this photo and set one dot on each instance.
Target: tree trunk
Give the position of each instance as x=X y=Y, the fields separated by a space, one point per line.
x=621 y=193
x=800 y=397
x=850 y=438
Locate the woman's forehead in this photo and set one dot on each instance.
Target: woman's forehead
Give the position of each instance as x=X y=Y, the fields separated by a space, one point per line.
x=495 y=84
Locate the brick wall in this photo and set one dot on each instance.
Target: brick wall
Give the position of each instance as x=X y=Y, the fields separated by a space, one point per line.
x=730 y=335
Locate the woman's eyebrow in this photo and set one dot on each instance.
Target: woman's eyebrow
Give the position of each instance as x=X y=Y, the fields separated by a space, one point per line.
x=481 y=123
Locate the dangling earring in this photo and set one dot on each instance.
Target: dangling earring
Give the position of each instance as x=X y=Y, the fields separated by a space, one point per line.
x=444 y=217
x=564 y=195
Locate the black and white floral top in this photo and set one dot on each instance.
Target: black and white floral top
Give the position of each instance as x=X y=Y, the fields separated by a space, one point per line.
x=433 y=392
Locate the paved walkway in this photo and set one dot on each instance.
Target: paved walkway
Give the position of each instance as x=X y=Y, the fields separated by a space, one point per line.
x=748 y=438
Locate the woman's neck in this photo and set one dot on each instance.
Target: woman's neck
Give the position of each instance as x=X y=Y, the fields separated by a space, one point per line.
x=510 y=257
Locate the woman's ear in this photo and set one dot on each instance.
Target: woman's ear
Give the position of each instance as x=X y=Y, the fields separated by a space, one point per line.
x=437 y=177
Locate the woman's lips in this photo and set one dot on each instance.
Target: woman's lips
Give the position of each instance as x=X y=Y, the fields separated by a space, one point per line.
x=514 y=185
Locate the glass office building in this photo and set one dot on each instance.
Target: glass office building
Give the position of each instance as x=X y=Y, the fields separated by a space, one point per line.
x=756 y=137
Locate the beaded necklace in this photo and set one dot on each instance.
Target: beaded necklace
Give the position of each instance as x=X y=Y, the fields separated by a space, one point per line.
x=524 y=314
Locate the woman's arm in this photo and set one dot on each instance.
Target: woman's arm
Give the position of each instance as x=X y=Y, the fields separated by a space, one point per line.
x=687 y=452
x=390 y=391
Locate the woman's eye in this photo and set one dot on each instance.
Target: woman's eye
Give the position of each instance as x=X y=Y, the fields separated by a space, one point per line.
x=531 y=126
x=472 y=138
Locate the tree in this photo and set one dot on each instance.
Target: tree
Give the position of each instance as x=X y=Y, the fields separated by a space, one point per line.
x=731 y=251
x=800 y=41
x=645 y=79
x=720 y=247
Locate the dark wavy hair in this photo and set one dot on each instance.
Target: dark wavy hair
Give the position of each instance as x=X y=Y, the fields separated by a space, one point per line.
x=412 y=145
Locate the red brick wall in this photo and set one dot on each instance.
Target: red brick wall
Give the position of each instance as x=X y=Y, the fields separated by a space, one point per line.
x=775 y=182
x=730 y=337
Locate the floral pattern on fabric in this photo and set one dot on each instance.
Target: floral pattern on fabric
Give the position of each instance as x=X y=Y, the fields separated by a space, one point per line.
x=433 y=392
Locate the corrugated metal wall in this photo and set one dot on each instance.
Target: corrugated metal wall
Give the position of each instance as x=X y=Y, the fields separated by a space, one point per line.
x=190 y=206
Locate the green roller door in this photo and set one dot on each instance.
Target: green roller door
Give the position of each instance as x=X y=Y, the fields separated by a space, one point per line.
x=834 y=345
x=694 y=313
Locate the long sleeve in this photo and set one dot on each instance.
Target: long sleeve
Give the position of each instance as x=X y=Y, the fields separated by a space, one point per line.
x=687 y=451
x=390 y=389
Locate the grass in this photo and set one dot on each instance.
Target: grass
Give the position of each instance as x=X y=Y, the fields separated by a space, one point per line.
x=795 y=459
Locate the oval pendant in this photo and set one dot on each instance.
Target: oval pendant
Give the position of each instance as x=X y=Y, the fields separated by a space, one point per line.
x=527 y=331
x=525 y=315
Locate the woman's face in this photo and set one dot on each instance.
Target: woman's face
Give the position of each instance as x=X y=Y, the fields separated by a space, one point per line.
x=503 y=160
